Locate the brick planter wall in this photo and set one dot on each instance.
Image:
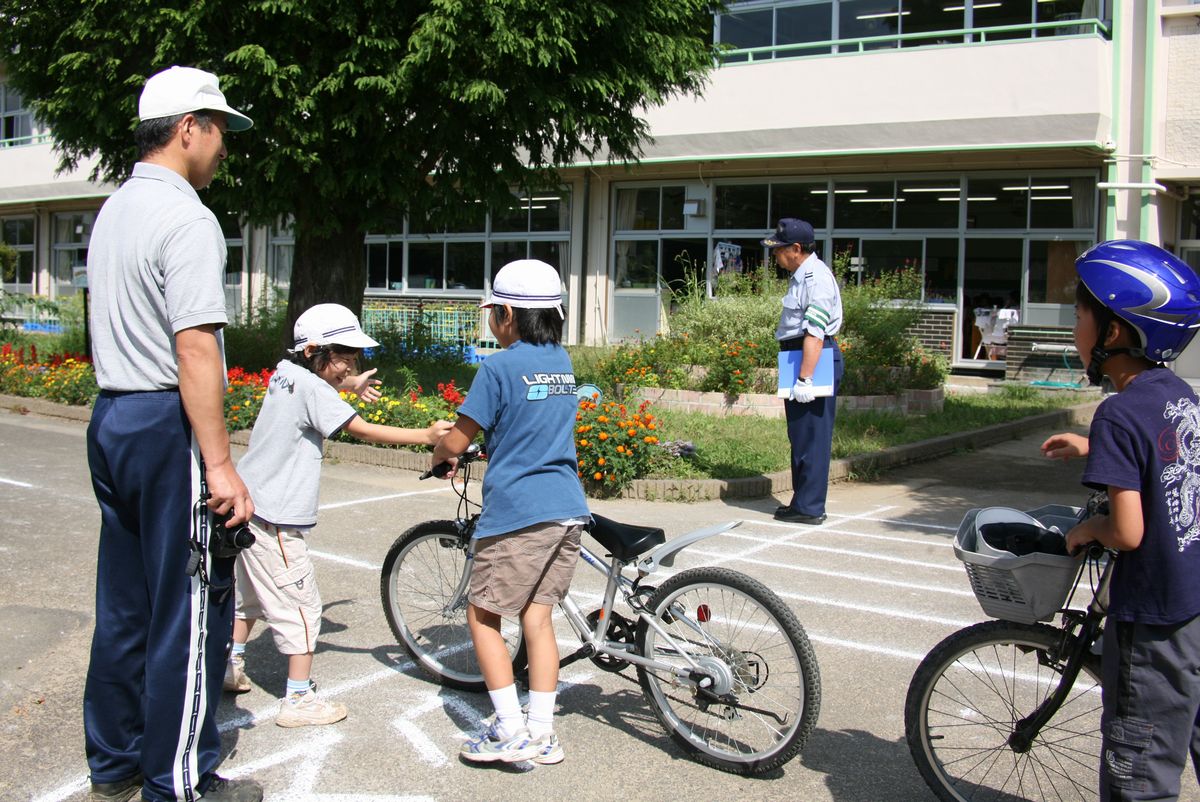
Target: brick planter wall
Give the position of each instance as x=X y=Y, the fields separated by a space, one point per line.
x=1022 y=364
x=906 y=402
x=935 y=330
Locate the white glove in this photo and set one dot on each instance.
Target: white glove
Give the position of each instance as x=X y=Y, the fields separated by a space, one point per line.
x=802 y=391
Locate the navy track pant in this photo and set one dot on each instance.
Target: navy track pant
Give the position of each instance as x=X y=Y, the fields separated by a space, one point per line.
x=810 y=432
x=161 y=638
x=1151 y=717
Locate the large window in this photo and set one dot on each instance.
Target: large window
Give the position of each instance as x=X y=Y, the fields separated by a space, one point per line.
x=17 y=233
x=460 y=259
x=791 y=24
x=72 y=233
x=16 y=122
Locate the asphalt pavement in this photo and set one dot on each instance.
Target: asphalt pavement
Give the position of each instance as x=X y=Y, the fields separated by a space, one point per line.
x=876 y=587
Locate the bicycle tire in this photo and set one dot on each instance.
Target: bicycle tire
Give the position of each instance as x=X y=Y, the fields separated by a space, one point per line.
x=760 y=650
x=967 y=694
x=420 y=575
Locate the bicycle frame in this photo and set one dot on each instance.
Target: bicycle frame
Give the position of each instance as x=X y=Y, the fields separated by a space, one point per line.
x=1076 y=646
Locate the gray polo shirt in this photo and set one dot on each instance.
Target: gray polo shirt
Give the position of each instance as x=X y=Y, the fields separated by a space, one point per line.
x=282 y=466
x=156 y=266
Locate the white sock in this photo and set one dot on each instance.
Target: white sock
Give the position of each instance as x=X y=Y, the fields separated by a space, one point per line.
x=541 y=712
x=508 y=710
x=300 y=686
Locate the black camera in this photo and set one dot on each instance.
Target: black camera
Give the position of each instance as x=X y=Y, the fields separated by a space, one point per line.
x=224 y=541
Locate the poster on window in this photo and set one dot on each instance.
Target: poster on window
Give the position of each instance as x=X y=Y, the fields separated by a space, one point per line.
x=727 y=258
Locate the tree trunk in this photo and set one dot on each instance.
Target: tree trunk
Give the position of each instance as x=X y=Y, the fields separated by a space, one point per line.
x=326 y=268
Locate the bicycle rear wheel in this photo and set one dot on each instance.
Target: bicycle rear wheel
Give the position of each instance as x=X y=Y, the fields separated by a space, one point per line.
x=767 y=690
x=421 y=575
x=965 y=699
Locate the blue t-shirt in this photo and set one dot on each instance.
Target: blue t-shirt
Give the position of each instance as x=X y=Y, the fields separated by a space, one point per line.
x=1147 y=438
x=524 y=400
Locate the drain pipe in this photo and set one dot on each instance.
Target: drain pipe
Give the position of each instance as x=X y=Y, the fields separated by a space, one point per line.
x=583 y=247
x=1110 y=221
x=1152 y=27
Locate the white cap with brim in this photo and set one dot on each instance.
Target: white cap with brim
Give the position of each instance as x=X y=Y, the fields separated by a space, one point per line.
x=329 y=324
x=526 y=284
x=179 y=90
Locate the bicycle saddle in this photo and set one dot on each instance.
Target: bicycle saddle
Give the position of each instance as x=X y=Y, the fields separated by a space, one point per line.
x=625 y=541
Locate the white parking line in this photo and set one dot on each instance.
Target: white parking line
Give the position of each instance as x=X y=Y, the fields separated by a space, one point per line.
x=836 y=574
x=337 y=558
x=832 y=530
x=14 y=482
x=866 y=555
x=338 y=504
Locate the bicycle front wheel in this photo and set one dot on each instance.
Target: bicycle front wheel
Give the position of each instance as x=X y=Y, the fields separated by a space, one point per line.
x=766 y=691
x=968 y=694
x=422 y=573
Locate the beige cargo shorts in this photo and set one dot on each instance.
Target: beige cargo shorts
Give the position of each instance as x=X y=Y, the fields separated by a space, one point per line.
x=275 y=582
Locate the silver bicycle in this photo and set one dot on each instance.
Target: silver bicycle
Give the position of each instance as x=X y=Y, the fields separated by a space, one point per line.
x=722 y=661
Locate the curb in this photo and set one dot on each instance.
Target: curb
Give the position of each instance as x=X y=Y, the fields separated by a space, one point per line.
x=840 y=470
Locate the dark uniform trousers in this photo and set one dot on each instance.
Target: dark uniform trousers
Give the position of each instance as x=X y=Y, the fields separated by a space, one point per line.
x=159 y=648
x=810 y=432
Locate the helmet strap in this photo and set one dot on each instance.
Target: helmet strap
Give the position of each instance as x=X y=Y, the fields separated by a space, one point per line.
x=1095 y=368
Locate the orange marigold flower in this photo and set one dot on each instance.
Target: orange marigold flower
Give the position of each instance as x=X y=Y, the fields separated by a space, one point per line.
x=620 y=449
x=649 y=425
x=631 y=432
x=597 y=476
x=602 y=419
x=600 y=461
x=603 y=435
x=583 y=442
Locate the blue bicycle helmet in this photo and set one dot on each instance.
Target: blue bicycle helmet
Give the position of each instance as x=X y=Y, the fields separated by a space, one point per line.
x=1147 y=287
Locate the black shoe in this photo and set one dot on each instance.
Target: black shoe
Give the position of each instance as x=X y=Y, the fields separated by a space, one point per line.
x=792 y=517
x=782 y=509
x=118 y=791
x=223 y=790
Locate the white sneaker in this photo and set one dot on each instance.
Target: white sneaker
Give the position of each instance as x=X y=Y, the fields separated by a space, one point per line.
x=491 y=746
x=308 y=709
x=236 y=680
x=551 y=750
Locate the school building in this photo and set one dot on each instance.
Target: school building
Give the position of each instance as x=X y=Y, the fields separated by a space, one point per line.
x=984 y=142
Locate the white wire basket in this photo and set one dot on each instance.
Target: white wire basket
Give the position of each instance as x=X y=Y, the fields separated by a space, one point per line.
x=1024 y=589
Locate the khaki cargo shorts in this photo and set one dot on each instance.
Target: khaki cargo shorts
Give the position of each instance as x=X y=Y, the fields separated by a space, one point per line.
x=275 y=582
x=534 y=564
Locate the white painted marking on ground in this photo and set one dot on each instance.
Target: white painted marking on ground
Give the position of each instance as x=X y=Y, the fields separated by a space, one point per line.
x=866 y=555
x=831 y=530
x=337 y=558
x=873 y=648
x=887 y=612
x=338 y=504
x=66 y=791
x=14 y=482
x=836 y=574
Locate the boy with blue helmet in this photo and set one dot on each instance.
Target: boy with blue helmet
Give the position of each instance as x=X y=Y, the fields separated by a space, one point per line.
x=1137 y=307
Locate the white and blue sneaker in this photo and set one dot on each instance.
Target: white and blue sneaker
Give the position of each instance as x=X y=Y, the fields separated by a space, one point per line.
x=550 y=750
x=491 y=746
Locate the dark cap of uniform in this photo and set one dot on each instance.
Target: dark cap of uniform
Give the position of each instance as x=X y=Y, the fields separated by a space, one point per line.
x=790 y=231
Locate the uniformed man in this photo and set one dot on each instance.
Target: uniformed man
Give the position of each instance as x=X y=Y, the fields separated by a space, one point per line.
x=812 y=315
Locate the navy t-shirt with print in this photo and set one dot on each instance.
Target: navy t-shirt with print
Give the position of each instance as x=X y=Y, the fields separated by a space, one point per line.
x=1147 y=438
x=524 y=399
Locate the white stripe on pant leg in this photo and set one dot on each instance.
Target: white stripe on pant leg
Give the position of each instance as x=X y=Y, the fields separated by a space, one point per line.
x=195 y=701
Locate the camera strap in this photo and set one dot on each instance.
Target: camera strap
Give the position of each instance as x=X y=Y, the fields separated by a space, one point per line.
x=197 y=563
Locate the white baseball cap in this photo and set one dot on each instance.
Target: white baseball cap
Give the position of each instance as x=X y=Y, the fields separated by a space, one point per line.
x=178 y=90
x=329 y=324
x=526 y=284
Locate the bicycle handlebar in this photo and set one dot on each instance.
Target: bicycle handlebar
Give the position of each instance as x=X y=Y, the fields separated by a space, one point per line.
x=442 y=468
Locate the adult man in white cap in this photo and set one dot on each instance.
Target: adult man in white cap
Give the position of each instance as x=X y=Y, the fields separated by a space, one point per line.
x=164 y=610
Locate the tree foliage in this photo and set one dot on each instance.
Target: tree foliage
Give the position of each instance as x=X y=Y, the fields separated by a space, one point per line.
x=368 y=110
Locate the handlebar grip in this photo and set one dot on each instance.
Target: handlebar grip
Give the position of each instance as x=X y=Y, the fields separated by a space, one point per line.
x=439 y=470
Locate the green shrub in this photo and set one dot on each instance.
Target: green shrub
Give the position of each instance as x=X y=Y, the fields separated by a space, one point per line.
x=254 y=344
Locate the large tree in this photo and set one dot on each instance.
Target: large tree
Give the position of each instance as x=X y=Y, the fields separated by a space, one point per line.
x=364 y=110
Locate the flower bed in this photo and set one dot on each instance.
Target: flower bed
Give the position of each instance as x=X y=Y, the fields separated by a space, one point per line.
x=66 y=378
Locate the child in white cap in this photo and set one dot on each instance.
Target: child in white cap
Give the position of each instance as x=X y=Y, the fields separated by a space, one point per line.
x=523 y=399
x=282 y=468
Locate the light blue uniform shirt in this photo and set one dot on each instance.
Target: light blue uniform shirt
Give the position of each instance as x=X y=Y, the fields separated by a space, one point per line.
x=812 y=304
